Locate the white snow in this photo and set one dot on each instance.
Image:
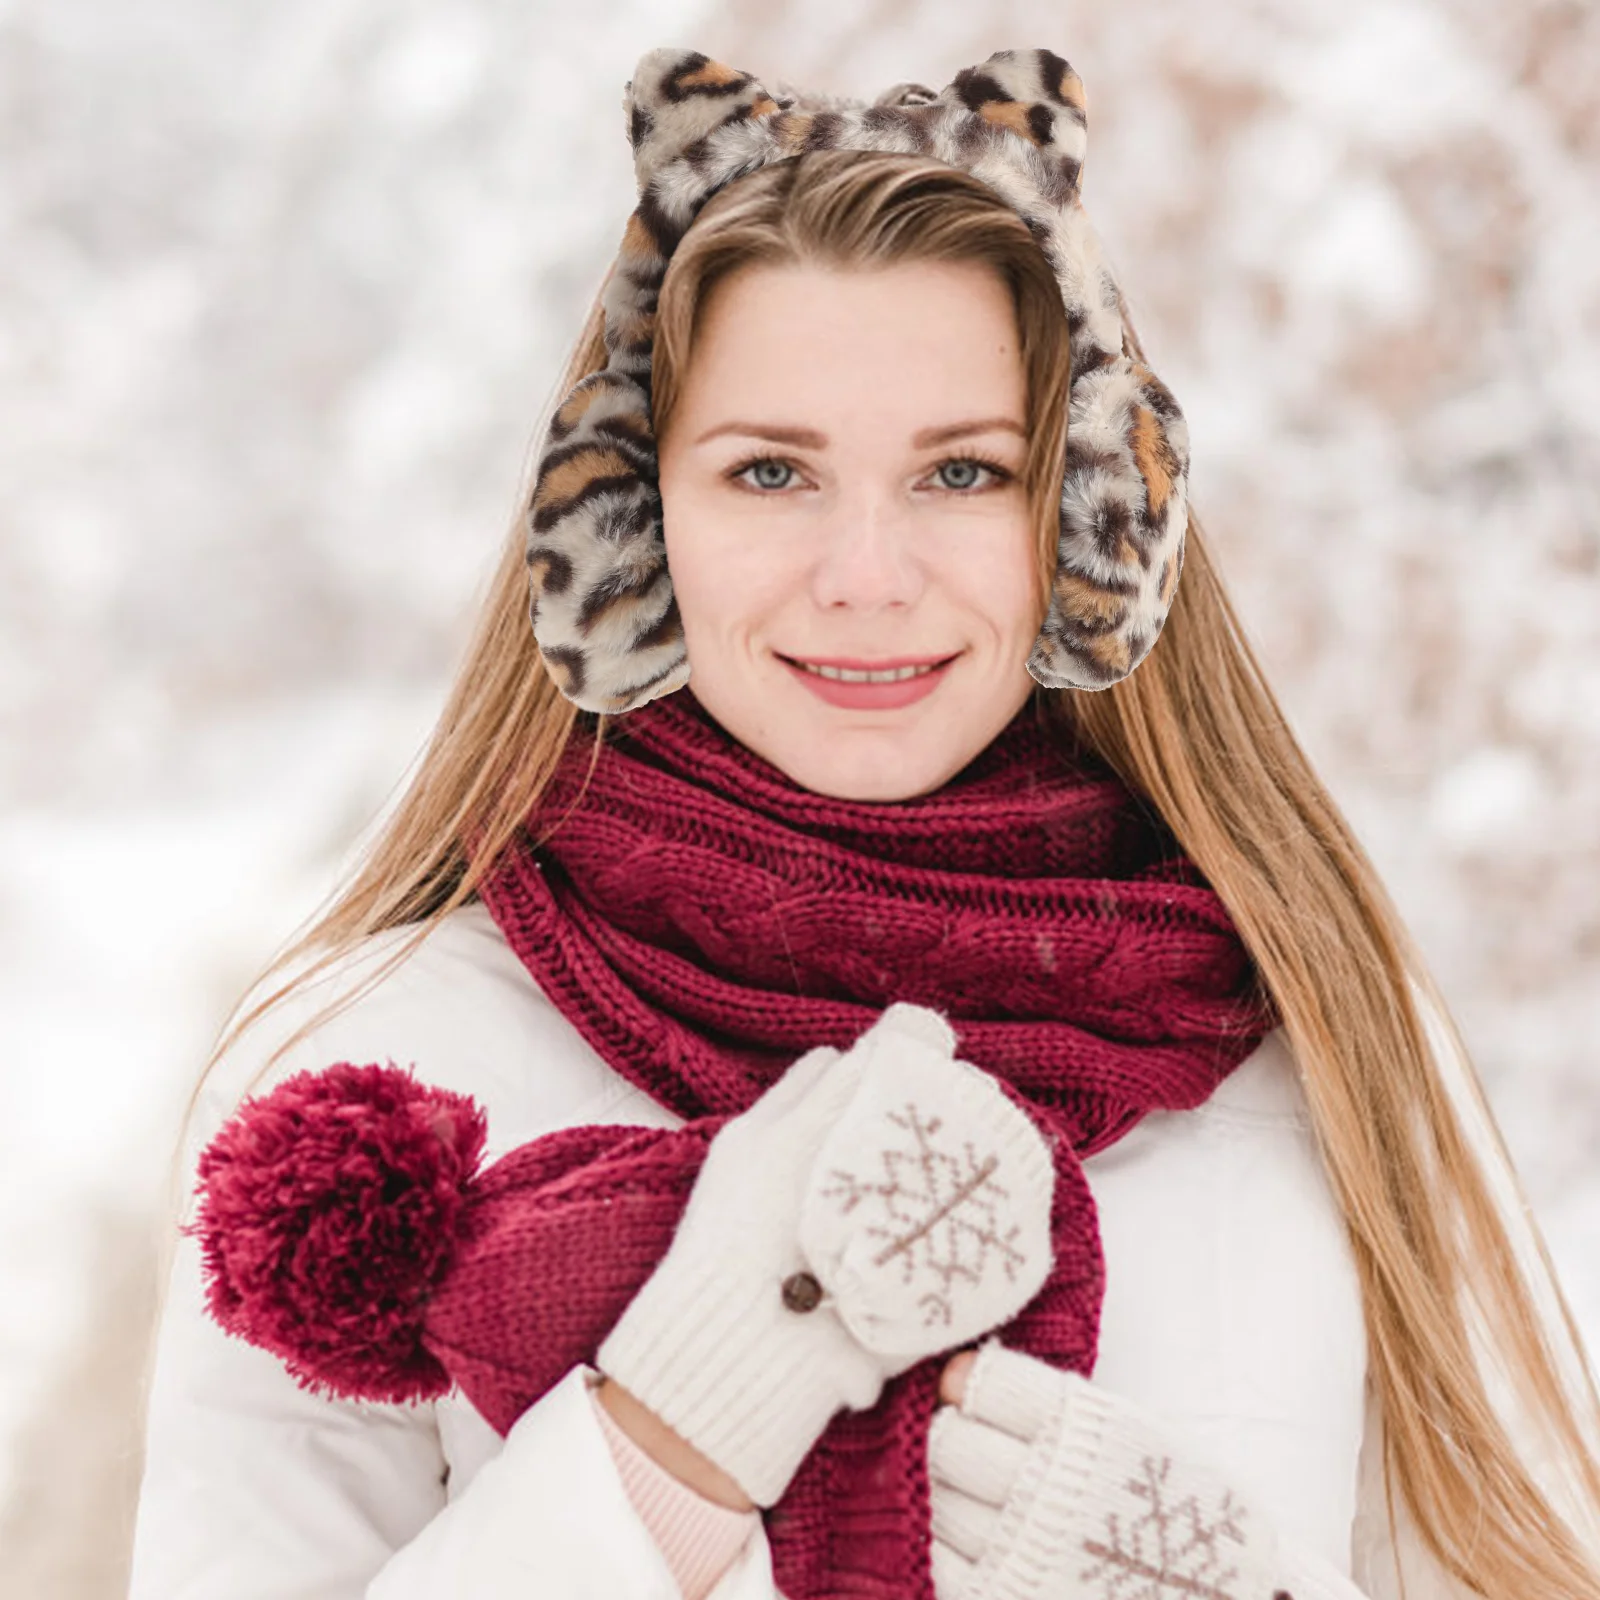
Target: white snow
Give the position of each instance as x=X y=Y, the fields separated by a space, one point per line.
x=286 y=290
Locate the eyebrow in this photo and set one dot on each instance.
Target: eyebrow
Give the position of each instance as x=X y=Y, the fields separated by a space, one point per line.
x=810 y=439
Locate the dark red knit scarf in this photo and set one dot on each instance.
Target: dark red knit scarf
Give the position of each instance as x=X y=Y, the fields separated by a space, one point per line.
x=702 y=920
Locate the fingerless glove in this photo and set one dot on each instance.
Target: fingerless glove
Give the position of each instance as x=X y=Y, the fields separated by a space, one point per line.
x=1044 y=1484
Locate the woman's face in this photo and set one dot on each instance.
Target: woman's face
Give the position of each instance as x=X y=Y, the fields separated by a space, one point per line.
x=841 y=484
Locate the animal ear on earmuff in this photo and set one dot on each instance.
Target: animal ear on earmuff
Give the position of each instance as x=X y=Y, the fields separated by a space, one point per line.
x=601 y=601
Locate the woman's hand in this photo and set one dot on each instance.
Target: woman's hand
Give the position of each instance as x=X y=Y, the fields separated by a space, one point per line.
x=1042 y=1483
x=815 y=1241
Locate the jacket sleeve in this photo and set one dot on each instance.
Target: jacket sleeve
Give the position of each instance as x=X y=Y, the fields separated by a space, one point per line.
x=255 y=1489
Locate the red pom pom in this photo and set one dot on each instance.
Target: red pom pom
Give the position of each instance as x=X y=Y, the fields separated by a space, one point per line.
x=330 y=1209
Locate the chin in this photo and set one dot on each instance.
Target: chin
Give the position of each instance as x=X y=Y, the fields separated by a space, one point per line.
x=843 y=754
x=874 y=764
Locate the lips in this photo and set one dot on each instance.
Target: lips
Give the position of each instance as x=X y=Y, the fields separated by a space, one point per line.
x=865 y=694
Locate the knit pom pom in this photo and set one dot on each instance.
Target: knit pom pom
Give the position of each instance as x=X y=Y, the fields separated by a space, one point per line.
x=330 y=1209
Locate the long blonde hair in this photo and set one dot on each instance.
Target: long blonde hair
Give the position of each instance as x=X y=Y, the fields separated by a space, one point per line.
x=1195 y=729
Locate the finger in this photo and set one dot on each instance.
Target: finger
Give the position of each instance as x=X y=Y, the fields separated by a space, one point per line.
x=953 y=1379
x=965 y=1524
x=1012 y=1390
x=928 y=1027
x=799 y=1079
x=979 y=1460
x=953 y=1575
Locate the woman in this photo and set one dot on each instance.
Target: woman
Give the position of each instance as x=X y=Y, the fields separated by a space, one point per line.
x=1289 y=1188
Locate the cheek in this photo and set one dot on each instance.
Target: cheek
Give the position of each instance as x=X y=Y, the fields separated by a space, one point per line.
x=996 y=572
x=722 y=568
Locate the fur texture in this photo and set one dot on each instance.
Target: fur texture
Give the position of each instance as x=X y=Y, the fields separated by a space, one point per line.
x=601 y=600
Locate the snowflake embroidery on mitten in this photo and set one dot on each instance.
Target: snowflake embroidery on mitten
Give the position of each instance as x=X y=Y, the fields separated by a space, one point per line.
x=938 y=1209
x=1172 y=1548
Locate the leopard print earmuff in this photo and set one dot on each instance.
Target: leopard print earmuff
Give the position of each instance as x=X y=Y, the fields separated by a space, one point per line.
x=602 y=604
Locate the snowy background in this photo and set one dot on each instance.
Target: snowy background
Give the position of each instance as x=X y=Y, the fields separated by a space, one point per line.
x=284 y=292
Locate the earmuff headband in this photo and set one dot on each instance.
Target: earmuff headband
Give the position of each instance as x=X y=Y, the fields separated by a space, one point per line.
x=601 y=599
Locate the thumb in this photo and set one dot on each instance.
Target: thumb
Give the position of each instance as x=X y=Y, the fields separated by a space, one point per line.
x=798 y=1080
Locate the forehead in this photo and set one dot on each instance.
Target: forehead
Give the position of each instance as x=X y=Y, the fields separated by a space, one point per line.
x=899 y=341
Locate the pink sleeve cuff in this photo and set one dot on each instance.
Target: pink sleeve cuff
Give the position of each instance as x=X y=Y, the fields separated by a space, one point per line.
x=699 y=1538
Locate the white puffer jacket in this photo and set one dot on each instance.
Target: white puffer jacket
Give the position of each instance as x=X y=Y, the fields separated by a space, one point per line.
x=1232 y=1312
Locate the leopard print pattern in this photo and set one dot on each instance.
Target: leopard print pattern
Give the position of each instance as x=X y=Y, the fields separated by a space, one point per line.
x=601 y=600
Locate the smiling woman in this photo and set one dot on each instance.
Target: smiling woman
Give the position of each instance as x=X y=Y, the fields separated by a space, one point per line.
x=903 y=518
x=864 y=372
x=881 y=532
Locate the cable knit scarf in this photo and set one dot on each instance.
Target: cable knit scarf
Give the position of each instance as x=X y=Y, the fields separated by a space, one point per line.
x=702 y=920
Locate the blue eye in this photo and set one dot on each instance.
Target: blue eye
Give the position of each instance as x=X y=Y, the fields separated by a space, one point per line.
x=965 y=473
x=764 y=468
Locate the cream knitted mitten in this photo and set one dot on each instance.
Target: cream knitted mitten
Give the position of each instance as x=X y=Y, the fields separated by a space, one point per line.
x=1044 y=1483
x=873 y=1207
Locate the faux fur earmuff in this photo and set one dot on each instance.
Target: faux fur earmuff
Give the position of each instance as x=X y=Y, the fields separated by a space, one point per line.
x=601 y=602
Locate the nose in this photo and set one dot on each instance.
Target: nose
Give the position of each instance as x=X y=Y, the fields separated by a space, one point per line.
x=866 y=556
